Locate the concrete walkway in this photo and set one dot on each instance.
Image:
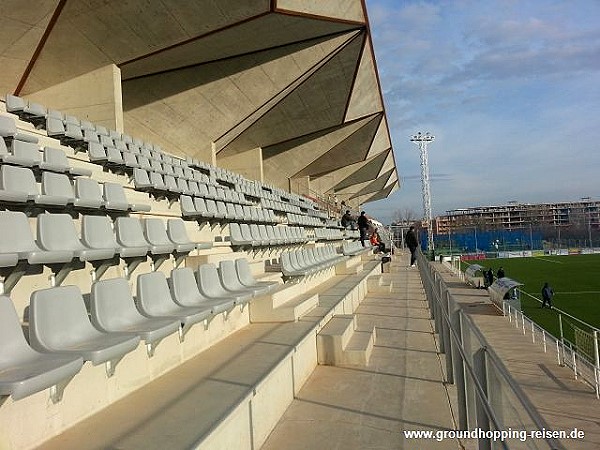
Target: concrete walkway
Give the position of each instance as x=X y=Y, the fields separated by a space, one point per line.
x=563 y=402
x=357 y=407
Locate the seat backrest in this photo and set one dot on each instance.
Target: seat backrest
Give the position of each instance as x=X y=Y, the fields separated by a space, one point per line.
x=114 y=193
x=18 y=179
x=228 y=275
x=140 y=178
x=20 y=238
x=112 y=305
x=157 y=180
x=235 y=232
x=244 y=272
x=187 y=205
x=56 y=157
x=86 y=188
x=27 y=150
x=8 y=126
x=208 y=281
x=211 y=206
x=56 y=232
x=14 y=346
x=97 y=232
x=177 y=232
x=129 y=232
x=184 y=288
x=153 y=294
x=202 y=206
x=221 y=208
x=58 y=318
x=155 y=232
x=57 y=184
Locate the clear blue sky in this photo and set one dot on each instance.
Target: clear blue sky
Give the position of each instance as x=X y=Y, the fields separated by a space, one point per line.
x=510 y=89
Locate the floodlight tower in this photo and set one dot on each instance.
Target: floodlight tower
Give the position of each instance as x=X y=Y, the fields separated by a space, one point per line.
x=422 y=139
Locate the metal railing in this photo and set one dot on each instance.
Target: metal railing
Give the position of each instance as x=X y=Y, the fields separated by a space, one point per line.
x=577 y=350
x=488 y=397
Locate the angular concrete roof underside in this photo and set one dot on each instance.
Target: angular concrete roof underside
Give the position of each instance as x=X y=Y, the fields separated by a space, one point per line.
x=295 y=78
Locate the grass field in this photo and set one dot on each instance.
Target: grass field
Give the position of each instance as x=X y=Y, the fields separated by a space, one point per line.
x=574 y=279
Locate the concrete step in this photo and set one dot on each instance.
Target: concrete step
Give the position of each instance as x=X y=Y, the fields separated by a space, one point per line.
x=333 y=339
x=262 y=309
x=359 y=348
x=351 y=266
x=379 y=284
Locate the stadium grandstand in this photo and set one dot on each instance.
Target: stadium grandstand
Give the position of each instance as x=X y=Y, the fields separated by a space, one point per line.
x=173 y=271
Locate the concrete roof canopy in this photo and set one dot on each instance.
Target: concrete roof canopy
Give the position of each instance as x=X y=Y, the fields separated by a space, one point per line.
x=278 y=90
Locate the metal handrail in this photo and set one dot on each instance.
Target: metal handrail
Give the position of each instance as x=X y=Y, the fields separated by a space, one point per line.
x=501 y=369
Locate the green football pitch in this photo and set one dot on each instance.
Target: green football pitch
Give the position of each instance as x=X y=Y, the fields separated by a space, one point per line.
x=575 y=280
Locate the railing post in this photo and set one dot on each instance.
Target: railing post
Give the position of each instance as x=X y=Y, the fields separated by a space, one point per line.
x=562 y=339
x=449 y=343
x=459 y=370
x=483 y=421
x=596 y=363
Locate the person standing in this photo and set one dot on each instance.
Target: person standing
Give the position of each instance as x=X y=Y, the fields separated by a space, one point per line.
x=500 y=273
x=412 y=243
x=363 y=227
x=547 y=294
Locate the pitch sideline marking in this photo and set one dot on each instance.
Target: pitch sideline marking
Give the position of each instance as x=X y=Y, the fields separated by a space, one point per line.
x=548 y=260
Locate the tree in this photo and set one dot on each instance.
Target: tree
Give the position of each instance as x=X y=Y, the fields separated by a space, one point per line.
x=405 y=216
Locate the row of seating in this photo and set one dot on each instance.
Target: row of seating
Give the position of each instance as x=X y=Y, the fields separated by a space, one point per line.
x=309 y=261
x=18 y=185
x=121 y=152
x=58 y=241
x=253 y=235
x=27 y=154
x=156 y=183
x=62 y=335
x=280 y=206
x=298 y=219
x=327 y=234
x=354 y=248
x=198 y=208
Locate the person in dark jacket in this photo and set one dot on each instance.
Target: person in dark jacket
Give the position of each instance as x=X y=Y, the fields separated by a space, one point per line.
x=363 y=227
x=500 y=273
x=412 y=243
x=347 y=219
x=547 y=294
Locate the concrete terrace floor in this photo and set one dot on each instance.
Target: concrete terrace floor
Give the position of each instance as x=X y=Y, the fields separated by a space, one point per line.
x=358 y=407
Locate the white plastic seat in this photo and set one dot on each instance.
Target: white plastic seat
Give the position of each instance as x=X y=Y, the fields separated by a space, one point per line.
x=247 y=279
x=115 y=199
x=58 y=185
x=154 y=300
x=129 y=235
x=113 y=309
x=230 y=280
x=185 y=292
x=178 y=235
x=56 y=161
x=210 y=285
x=23 y=371
x=59 y=324
x=87 y=193
x=97 y=233
x=156 y=234
x=20 y=242
x=56 y=232
x=24 y=154
x=236 y=235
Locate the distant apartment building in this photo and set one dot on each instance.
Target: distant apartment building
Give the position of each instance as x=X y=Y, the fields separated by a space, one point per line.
x=584 y=213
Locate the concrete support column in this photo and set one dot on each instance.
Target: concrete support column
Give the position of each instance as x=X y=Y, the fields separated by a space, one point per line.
x=459 y=371
x=248 y=163
x=483 y=421
x=95 y=96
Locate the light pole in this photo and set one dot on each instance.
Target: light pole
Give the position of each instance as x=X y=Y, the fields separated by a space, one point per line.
x=422 y=140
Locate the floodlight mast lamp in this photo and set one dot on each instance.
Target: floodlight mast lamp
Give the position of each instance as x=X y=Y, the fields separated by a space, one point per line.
x=422 y=139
